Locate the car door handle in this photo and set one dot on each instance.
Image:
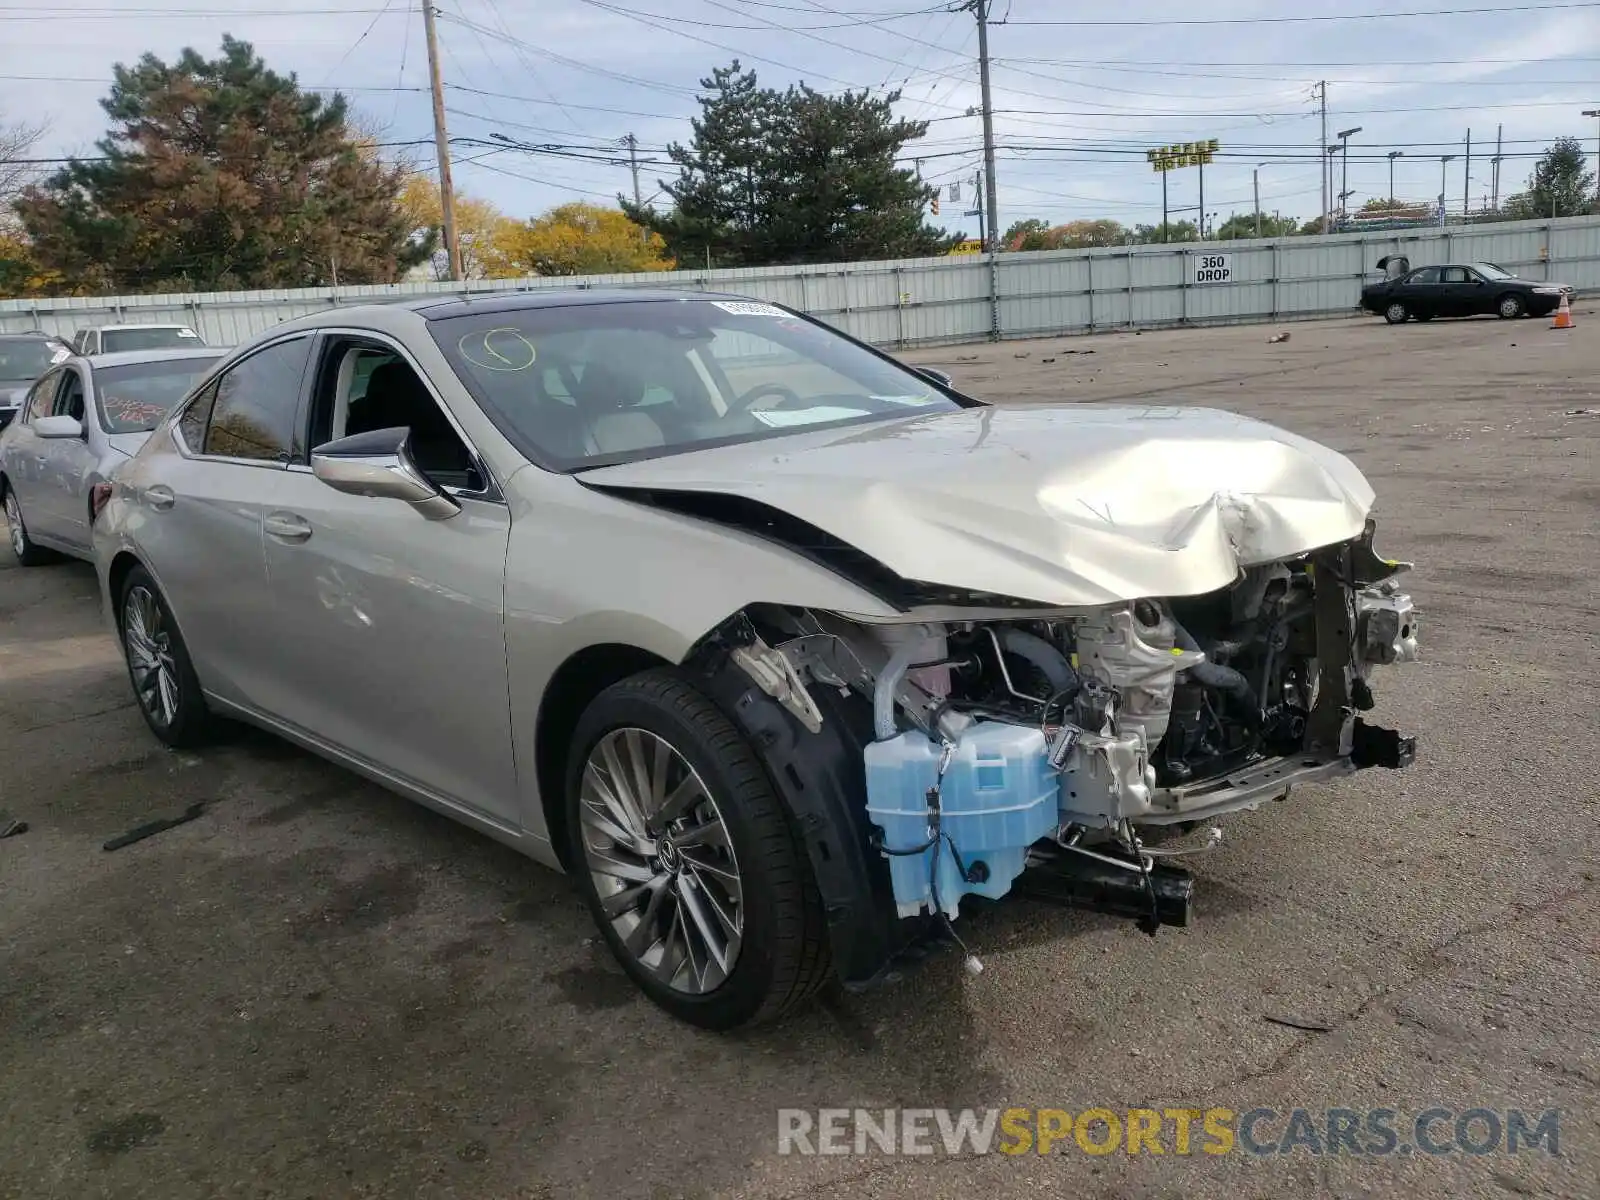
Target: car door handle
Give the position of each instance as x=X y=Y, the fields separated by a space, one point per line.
x=159 y=497
x=287 y=527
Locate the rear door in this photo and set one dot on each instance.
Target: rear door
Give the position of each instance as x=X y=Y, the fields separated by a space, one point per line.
x=203 y=490
x=24 y=461
x=1423 y=292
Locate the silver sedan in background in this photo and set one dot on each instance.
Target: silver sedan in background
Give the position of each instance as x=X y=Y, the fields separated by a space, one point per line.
x=79 y=421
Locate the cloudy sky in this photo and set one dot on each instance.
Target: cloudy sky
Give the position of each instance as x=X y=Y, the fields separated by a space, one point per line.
x=1080 y=90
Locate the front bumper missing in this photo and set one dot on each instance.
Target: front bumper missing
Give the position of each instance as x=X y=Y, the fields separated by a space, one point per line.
x=1370 y=746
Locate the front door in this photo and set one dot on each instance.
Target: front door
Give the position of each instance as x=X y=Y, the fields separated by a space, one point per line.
x=65 y=466
x=389 y=628
x=1464 y=293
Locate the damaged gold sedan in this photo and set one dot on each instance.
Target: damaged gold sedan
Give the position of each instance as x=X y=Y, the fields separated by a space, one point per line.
x=780 y=647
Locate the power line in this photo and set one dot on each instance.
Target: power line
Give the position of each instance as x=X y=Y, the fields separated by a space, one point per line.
x=575 y=64
x=1321 y=17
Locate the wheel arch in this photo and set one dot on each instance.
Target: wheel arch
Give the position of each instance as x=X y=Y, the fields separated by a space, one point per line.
x=117 y=572
x=571 y=689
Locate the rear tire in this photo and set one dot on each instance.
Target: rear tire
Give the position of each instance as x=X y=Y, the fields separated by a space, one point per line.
x=729 y=861
x=164 y=682
x=1510 y=307
x=1396 y=313
x=27 y=552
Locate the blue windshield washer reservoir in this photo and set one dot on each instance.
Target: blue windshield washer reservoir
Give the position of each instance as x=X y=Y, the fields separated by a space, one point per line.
x=999 y=795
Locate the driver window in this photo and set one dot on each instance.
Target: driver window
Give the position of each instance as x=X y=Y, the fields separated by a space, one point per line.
x=363 y=387
x=69 y=400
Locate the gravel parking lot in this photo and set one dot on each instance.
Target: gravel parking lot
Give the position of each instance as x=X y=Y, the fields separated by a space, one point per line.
x=319 y=990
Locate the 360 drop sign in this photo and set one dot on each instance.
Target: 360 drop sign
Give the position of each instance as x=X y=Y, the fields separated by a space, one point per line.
x=1212 y=268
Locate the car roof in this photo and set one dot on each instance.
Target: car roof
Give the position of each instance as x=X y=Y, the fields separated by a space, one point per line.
x=437 y=308
x=123 y=358
x=144 y=325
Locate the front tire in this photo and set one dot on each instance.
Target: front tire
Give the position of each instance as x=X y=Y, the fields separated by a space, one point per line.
x=687 y=859
x=27 y=552
x=1510 y=307
x=159 y=667
x=1396 y=313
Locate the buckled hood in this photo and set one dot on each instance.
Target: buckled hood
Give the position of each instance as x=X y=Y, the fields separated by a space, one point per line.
x=1067 y=505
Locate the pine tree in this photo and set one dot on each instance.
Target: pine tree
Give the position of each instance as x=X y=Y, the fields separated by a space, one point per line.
x=221 y=174
x=793 y=177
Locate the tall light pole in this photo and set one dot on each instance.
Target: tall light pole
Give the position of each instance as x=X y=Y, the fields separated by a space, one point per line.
x=1443 y=160
x=1344 y=136
x=1255 y=180
x=1393 y=154
x=1595 y=112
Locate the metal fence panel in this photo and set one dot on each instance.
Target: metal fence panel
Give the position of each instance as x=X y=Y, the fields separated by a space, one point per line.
x=909 y=302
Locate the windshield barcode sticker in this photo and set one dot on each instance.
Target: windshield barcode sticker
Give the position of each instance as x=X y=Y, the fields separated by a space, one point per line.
x=749 y=308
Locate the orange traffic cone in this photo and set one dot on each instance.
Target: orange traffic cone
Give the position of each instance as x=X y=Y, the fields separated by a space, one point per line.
x=1563 y=315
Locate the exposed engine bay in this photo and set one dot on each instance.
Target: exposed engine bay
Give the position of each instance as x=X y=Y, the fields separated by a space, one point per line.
x=1060 y=740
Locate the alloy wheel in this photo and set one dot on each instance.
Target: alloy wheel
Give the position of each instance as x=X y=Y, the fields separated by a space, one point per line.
x=149 y=646
x=661 y=860
x=1396 y=313
x=19 y=539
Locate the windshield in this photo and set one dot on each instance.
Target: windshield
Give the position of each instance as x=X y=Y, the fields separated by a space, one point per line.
x=1490 y=271
x=134 y=398
x=161 y=337
x=22 y=360
x=591 y=384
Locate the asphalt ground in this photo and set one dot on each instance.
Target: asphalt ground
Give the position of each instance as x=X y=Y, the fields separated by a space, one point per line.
x=319 y=990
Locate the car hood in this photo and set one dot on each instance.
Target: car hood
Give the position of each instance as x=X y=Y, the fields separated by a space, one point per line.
x=1065 y=505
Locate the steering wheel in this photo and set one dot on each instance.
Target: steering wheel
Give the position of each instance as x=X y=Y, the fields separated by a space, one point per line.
x=744 y=402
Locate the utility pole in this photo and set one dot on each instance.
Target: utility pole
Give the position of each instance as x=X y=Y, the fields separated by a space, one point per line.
x=992 y=230
x=441 y=142
x=1595 y=112
x=1466 y=177
x=633 y=164
x=1327 y=159
x=1494 y=201
x=1255 y=186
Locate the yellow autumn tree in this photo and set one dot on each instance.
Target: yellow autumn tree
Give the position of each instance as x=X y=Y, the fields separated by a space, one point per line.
x=480 y=228
x=579 y=239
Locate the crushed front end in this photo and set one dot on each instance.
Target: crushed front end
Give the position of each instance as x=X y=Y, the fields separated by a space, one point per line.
x=1048 y=749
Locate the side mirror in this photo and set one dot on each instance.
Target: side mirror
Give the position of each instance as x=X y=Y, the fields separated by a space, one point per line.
x=936 y=375
x=58 y=427
x=379 y=463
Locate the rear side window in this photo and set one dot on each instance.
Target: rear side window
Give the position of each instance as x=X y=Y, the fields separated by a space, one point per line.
x=1426 y=275
x=192 y=425
x=253 y=415
x=163 y=338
